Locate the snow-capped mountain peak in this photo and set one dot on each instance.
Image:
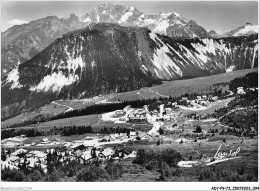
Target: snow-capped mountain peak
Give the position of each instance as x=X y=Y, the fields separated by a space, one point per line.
x=163 y=23
x=245 y=30
x=71 y=16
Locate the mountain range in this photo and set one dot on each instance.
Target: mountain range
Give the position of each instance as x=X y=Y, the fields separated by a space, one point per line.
x=112 y=49
x=21 y=42
x=110 y=58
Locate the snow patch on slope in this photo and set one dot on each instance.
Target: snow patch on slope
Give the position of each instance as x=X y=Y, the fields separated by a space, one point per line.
x=254 y=55
x=161 y=26
x=230 y=68
x=125 y=17
x=211 y=48
x=162 y=61
x=54 y=82
x=13 y=77
x=74 y=63
x=87 y=20
x=248 y=29
x=98 y=18
x=131 y=9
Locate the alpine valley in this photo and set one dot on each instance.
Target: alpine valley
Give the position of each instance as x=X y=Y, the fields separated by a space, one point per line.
x=117 y=95
x=21 y=42
x=112 y=49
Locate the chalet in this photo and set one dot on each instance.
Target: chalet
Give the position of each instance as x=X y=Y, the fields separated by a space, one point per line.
x=145 y=108
x=131 y=115
x=86 y=155
x=58 y=140
x=44 y=167
x=6 y=164
x=119 y=112
x=11 y=143
x=199 y=98
x=107 y=152
x=240 y=90
x=105 y=138
x=137 y=116
x=125 y=151
x=45 y=141
x=145 y=136
x=80 y=147
x=13 y=159
x=252 y=89
x=155 y=112
x=41 y=157
x=123 y=119
x=174 y=103
x=78 y=153
x=142 y=117
x=215 y=98
x=184 y=98
x=32 y=163
x=112 y=136
x=123 y=135
x=204 y=103
x=167 y=117
x=168 y=110
x=19 y=151
x=132 y=134
x=192 y=102
x=127 y=109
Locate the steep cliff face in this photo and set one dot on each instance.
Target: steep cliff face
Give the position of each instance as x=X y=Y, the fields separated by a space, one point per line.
x=109 y=58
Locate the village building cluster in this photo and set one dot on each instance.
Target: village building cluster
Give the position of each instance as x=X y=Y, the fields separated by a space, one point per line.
x=83 y=151
x=165 y=112
x=97 y=147
x=129 y=114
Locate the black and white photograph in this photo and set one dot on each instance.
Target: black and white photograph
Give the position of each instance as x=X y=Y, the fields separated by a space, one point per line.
x=131 y=94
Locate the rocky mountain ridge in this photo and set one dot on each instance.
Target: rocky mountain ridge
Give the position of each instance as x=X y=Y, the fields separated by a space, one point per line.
x=109 y=58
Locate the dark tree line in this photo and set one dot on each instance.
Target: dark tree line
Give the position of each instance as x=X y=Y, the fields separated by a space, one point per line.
x=250 y=80
x=63 y=131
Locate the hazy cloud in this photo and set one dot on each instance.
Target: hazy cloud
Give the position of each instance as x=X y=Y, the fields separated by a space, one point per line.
x=16 y=22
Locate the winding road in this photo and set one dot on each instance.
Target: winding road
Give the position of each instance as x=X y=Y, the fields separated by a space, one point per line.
x=69 y=108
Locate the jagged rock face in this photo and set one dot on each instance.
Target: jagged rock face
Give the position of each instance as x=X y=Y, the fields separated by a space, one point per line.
x=22 y=42
x=164 y=23
x=108 y=58
x=189 y=30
